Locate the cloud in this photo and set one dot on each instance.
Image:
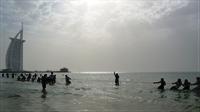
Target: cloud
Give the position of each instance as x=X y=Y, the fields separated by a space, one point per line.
x=97 y=14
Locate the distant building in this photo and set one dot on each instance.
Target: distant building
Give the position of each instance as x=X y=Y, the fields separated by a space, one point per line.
x=64 y=69
x=14 y=56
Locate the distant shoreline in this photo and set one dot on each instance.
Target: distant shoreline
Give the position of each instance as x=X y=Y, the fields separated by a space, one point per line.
x=86 y=72
x=33 y=72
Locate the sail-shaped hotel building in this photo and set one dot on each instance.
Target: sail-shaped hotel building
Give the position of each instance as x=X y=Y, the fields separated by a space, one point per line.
x=14 y=56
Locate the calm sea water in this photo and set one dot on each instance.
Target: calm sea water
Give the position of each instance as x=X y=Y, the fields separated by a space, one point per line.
x=95 y=92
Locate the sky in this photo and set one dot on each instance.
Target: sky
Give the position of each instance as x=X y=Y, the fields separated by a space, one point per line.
x=104 y=35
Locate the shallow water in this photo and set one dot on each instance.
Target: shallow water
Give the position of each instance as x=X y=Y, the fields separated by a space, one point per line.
x=95 y=92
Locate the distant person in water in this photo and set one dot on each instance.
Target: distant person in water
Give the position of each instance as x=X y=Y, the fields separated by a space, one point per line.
x=54 y=79
x=7 y=75
x=29 y=77
x=51 y=79
x=178 y=84
x=23 y=77
x=116 y=79
x=39 y=79
x=13 y=75
x=2 y=74
x=162 y=84
x=67 y=80
x=186 y=85
x=34 y=77
x=197 y=83
x=44 y=83
x=18 y=78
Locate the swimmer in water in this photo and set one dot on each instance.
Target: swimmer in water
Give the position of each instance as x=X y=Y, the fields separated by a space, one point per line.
x=44 y=83
x=186 y=85
x=116 y=79
x=67 y=80
x=197 y=84
x=162 y=84
x=178 y=84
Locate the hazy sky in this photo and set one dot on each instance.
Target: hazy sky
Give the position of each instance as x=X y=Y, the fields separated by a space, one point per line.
x=104 y=35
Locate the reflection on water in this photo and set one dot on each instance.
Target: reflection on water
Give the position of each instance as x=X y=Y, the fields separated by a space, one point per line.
x=44 y=93
x=97 y=92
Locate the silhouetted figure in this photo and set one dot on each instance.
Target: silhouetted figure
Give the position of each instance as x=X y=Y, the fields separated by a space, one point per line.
x=116 y=79
x=23 y=78
x=2 y=74
x=51 y=78
x=44 y=82
x=13 y=75
x=67 y=80
x=21 y=75
x=39 y=79
x=162 y=84
x=186 y=85
x=7 y=75
x=197 y=83
x=29 y=77
x=18 y=78
x=54 y=79
x=178 y=84
x=34 y=77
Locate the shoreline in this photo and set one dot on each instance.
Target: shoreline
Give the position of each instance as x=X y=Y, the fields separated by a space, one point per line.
x=33 y=72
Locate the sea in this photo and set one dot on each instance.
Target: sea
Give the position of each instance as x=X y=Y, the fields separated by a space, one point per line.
x=96 y=92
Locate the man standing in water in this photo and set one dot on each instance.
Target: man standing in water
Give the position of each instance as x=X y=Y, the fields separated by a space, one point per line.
x=186 y=85
x=67 y=80
x=178 y=84
x=162 y=84
x=116 y=79
x=44 y=82
x=197 y=83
